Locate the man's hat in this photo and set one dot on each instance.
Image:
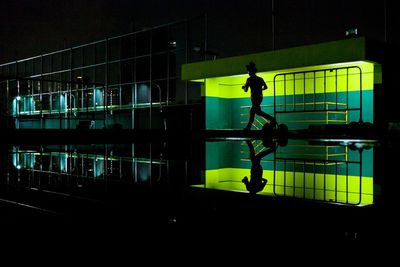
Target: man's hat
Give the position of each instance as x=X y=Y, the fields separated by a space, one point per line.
x=251 y=67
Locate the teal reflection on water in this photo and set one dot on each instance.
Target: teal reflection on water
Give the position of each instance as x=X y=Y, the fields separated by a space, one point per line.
x=331 y=173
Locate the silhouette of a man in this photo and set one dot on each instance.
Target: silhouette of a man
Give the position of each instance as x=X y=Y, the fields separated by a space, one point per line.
x=257 y=85
x=256 y=182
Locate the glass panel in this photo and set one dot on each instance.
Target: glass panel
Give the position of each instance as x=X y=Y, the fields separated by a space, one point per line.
x=114 y=72
x=127 y=47
x=143 y=69
x=77 y=58
x=114 y=49
x=159 y=66
x=89 y=55
x=143 y=43
x=100 y=52
x=127 y=71
x=126 y=94
x=160 y=40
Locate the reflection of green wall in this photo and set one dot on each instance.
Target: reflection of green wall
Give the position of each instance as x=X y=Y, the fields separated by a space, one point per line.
x=331 y=188
x=308 y=158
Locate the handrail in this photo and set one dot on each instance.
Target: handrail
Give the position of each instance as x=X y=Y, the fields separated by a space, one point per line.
x=294 y=104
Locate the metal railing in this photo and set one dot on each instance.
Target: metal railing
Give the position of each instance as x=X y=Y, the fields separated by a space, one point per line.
x=121 y=63
x=323 y=91
x=58 y=100
x=317 y=171
x=328 y=176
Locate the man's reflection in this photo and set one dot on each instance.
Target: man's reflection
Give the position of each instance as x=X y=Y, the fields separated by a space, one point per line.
x=257 y=182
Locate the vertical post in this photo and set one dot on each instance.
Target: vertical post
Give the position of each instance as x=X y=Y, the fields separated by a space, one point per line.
x=336 y=89
x=134 y=93
x=347 y=181
x=168 y=62
x=304 y=91
x=205 y=36
x=273 y=23
x=105 y=91
x=284 y=91
x=294 y=91
x=347 y=88
x=361 y=96
x=151 y=82
x=336 y=182
x=315 y=90
x=71 y=78
x=186 y=58
x=8 y=102
x=275 y=100
x=18 y=92
x=361 y=177
x=385 y=21
x=40 y=87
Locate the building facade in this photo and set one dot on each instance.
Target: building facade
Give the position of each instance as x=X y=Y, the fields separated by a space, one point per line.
x=130 y=81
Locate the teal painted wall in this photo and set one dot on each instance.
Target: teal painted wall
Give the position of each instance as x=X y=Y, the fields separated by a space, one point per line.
x=226 y=113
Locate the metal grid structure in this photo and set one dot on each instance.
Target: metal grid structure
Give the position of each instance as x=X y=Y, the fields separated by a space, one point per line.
x=137 y=75
x=313 y=97
x=322 y=173
x=312 y=179
x=319 y=95
x=77 y=170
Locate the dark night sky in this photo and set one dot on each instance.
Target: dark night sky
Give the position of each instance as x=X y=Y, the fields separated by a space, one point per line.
x=32 y=27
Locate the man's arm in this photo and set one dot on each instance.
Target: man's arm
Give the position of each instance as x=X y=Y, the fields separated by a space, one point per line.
x=264 y=85
x=245 y=87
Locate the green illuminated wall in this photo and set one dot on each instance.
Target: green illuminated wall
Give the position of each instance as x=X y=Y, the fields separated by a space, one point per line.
x=298 y=170
x=333 y=83
x=314 y=95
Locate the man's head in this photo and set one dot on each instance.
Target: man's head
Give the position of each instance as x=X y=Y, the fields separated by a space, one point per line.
x=251 y=68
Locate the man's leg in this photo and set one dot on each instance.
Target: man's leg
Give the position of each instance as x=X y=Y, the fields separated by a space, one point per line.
x=251 y=119
x=271 y=119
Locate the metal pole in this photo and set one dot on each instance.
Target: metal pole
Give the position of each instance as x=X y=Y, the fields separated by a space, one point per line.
x=273 y=23
x=105 y=91
x=385 y=21
x=205 y=36
x=151 y=82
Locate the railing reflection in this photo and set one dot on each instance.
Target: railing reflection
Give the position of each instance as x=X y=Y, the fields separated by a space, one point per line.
x=88 y=170
x=327 y=173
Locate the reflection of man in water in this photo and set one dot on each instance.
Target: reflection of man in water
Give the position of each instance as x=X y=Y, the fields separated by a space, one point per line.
x=257 y=85
x=257 y=182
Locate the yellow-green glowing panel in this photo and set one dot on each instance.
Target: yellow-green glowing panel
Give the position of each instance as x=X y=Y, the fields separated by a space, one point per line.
x=339 y=51
x=351 y=76
x=349 y=189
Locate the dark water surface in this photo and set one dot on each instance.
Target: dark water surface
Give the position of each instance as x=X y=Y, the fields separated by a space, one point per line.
x=320 y=191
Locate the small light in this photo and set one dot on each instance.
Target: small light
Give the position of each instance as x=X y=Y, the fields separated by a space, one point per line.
x=18 y=98
x=173 y=43
x=352 y=32
x=18 y=167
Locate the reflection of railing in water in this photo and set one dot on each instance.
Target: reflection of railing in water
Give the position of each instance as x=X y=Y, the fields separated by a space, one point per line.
x=326 y=152
x=318 y=180
x=89 y=166
x=316 y=172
